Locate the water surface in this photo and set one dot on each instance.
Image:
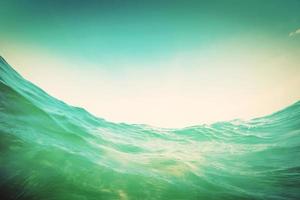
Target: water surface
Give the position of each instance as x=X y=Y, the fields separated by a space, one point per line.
x=51 y=150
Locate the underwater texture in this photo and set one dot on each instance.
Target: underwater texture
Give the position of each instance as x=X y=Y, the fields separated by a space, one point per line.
x=51 y=150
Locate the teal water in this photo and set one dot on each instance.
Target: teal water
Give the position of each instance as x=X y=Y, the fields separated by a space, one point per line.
x=50 y=150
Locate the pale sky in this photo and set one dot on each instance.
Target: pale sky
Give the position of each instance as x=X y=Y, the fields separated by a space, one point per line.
x=186 y=69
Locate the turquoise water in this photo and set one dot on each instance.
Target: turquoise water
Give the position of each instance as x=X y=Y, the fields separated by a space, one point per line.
x=50 y=150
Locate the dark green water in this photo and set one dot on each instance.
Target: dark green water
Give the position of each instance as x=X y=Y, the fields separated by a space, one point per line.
x=50 y=150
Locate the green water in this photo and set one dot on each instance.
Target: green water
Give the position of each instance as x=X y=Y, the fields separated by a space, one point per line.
x=50 y=150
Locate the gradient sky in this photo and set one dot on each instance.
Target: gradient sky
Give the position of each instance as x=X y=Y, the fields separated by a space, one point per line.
x=164 y=63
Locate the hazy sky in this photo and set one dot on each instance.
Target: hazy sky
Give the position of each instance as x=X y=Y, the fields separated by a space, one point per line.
x=164 y=63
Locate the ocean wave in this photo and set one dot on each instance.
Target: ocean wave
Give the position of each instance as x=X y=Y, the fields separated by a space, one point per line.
x=51 y=150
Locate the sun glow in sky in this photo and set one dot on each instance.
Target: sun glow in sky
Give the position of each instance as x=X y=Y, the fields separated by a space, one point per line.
x=171 y=64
